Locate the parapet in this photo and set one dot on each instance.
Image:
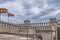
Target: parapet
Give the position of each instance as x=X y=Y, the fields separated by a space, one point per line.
x=40 y=24
x=28 y=23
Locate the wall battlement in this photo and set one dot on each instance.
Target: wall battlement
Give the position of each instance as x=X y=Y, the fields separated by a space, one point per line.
x=42 y=28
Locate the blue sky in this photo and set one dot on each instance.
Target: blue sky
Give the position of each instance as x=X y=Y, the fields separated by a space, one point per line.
x=34 y=10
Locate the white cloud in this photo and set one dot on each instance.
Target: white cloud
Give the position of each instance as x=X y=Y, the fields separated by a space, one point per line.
x=55 y=12
x=52 y=14
x=35 y=10
x=13 y=7
x=34 y=6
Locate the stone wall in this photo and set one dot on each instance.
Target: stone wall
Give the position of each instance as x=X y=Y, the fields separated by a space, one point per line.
x=32 y=30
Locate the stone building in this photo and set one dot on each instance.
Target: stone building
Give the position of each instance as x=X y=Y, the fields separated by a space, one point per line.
x=32 y=31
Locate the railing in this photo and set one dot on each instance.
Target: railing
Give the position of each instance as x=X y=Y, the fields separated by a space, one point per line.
x=36 y=24
x=39 y=24
x=31 y=24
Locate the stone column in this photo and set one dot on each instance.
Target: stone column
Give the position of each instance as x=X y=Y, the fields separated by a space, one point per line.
x=35 y=35
x=56 y=33
x=51 y=35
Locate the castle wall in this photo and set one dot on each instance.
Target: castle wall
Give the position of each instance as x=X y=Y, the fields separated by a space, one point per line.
x=33 y=30
x=9 y=28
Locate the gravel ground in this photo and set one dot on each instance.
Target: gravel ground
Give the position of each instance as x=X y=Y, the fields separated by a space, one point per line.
x=8 y=37
x=11 y=37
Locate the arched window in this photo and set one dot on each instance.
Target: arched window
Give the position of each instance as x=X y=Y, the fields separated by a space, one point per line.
x=39 y=37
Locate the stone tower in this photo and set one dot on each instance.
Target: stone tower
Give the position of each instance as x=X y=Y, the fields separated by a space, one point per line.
x=26 y=21
x=53 y=22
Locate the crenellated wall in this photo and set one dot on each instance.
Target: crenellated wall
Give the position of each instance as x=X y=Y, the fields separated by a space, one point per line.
x=32 y=29
x=40 y=24
x=9 y=28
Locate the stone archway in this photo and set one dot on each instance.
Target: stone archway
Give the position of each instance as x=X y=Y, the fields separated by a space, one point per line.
x=39 y=37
